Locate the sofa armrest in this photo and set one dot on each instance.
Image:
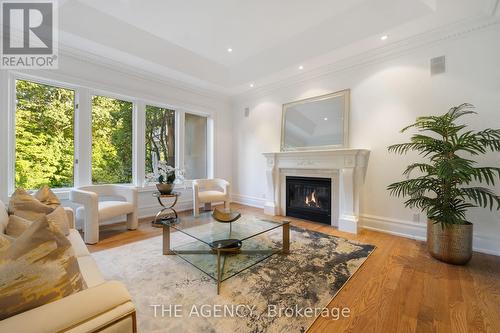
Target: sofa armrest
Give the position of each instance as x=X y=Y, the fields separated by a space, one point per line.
x=70 y=216
x=110 y=301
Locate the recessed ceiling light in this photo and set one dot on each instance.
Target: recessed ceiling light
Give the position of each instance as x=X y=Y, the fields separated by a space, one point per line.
x=301 y=67
x=251 y=85
x=229 y=50
x=325 y=118
x=384 y=37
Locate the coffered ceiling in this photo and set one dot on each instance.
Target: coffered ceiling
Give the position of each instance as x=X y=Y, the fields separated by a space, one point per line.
x=189 y=40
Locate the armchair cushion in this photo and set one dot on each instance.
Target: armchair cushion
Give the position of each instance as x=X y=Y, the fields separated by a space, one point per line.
x=108 y=209
x=211 y=196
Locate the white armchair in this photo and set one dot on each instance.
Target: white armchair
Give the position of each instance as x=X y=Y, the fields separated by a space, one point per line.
x=95 y=211
x=207 y=191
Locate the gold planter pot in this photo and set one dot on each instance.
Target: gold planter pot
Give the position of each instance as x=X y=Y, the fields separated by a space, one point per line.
x=450 y=243
x=165 y=188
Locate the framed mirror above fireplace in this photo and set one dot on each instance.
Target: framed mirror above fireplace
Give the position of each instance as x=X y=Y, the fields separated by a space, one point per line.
x=317 y=123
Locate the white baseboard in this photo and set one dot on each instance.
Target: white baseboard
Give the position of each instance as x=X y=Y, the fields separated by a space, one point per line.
x=248 y=200
x=418 y=231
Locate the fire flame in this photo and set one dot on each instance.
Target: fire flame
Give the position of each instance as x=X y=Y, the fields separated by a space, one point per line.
x=311 y=200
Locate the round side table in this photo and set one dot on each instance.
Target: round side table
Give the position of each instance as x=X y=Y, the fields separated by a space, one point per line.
x=171 y=216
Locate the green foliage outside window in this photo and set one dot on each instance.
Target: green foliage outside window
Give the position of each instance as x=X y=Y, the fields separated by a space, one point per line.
x=111 y=141
x=44 y=135
x=44 y=149
x=160 y=137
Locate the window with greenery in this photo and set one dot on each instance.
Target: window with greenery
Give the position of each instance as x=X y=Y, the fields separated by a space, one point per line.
x=111 y=141
x=195 y=147
x=44 y=135
x=160 y=136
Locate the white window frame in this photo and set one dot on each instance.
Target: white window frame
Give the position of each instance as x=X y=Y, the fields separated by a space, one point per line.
x=125 y=98
x=13 y=77
x=142 y=141
x=82 y=137
x=210 y=139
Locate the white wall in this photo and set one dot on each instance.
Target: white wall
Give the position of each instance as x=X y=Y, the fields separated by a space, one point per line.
x=385 y=96
x=114 y=79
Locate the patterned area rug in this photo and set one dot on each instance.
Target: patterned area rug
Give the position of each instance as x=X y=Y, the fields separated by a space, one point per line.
x=273 y=296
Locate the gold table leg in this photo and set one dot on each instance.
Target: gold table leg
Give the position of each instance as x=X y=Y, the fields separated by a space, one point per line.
x=166 y=240
x=218 y=271
x=286 y=238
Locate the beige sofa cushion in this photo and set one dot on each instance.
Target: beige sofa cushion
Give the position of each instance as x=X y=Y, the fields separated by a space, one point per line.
x=90 y=271
x=59 y=218
x=37 y=268
x=26 y=206
x=16 y=226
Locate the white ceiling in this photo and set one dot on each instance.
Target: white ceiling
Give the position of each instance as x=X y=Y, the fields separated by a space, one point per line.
x=188 y=40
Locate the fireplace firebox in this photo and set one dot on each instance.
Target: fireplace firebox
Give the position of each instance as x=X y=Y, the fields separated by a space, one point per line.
x=309 y=198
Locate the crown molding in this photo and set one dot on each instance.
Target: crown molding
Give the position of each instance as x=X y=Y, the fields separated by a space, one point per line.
x=160 y=74
x=154 y=74
x=374 y=56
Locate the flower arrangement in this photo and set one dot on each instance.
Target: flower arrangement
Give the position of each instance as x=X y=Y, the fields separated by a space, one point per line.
x=165 y=176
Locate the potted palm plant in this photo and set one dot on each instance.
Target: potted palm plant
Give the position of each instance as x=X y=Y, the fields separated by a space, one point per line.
x=448 y=184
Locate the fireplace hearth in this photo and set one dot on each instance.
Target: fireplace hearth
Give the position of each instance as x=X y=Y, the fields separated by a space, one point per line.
x=309 y=198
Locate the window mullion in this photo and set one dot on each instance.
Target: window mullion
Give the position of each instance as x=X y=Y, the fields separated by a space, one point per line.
x=179 y=141
x=139 y=129
x=83 y=137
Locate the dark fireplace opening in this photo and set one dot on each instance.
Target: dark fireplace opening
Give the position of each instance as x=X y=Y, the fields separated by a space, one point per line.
x=309 y=198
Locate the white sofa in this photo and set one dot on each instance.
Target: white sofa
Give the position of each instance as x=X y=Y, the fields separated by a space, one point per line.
x=105 y=306
x=95 y=211
x=206 y=191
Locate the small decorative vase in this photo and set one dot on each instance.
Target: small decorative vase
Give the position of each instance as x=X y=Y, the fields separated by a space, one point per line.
x=165 y=188
x=450 y=243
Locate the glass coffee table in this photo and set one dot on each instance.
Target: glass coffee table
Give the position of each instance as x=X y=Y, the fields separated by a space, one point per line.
x=222 y=250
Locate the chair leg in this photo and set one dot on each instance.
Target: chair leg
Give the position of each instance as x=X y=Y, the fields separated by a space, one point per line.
x=91 y=232
x=132 y=221
x=227 y=205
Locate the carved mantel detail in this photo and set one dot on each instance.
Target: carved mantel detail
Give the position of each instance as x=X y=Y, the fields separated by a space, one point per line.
x=346 y=168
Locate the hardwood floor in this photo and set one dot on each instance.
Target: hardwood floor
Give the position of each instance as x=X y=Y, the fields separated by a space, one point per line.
x=400 y=288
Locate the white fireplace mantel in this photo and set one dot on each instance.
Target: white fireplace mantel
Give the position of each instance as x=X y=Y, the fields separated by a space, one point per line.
x=346 y=168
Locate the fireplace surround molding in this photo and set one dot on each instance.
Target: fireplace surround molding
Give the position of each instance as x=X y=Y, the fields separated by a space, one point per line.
x=345 y=167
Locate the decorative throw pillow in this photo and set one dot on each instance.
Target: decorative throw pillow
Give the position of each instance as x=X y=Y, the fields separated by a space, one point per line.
x=47 y=197
x=26 y=206
x=59 y=218
x=39 y=267
x=5 y=242
x=16 y=226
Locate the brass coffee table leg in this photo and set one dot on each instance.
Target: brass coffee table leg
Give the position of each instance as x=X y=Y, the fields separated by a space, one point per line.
x=218 y=271
x=166 y=240
x=286 y=238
